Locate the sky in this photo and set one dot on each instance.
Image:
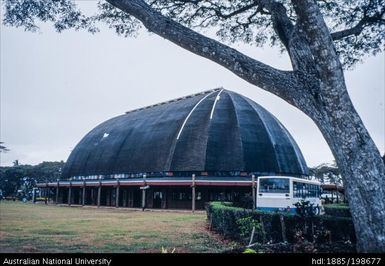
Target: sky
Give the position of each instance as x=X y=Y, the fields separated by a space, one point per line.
x=55 y=88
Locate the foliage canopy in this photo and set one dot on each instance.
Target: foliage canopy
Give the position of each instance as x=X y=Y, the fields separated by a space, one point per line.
x=358 y=27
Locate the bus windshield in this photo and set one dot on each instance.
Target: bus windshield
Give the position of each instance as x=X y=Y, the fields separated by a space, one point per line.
x=274 y=185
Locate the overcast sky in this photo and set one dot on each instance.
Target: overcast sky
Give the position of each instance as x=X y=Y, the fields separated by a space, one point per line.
x=57 y=87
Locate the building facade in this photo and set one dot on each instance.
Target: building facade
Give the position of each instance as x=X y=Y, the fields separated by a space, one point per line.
x=179 y=154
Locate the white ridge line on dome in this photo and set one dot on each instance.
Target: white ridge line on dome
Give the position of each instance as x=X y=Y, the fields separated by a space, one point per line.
x=192 y=110
x=172 y=100
x=215 y=103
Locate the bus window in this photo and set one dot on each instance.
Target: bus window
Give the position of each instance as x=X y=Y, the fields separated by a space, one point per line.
x=274 y=185
x=304 y=190
x=299 y=190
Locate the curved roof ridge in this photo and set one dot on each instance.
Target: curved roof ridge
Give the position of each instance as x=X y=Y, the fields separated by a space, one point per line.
x=215 y=103
x=185 y=121
x=210 y=122
x=272 y=142
x=190 y=113
x=173 y=100
x=295 y=146
x=230 y=93
x=300 y=159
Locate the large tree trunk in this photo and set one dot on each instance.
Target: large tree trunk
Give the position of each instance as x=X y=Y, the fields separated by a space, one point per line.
x=356 y=154
x=362 y=172
x=316 y=86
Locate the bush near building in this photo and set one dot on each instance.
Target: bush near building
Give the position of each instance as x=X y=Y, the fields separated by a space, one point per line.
x=277 y=228
x=337 y=210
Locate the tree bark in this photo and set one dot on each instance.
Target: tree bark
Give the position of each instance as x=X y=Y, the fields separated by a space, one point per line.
x=356 y=154
x=362 y=172
x=316 y=86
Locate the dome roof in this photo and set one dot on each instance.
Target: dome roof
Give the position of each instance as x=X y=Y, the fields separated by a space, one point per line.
x=213 y=131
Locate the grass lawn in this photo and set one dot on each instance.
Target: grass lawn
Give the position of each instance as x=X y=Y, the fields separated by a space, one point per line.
x=26 y=227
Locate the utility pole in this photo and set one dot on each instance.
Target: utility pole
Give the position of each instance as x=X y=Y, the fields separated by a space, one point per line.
x=84 y=193
x=117 y=194
x=33 y=195
x=144 y=192
x=193 y=193
x=46 y=194
x=253 y=192
x=57 y=193
x=69 y=194
x=99 y=192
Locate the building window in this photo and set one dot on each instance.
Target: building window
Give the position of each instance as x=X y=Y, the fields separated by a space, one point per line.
x=186 y=196
x=158 y=195
x=221 y=196
x=181 y=196
x=198 y=195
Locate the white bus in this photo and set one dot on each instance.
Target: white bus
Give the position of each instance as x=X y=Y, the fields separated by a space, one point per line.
x=281 y=193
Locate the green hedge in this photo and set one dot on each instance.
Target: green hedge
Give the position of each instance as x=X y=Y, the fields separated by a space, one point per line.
x=278 y=227
x=338 y=210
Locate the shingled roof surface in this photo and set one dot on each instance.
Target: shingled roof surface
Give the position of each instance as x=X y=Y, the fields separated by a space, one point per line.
x=217 y=130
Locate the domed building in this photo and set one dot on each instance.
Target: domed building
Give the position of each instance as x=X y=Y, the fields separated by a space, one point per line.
x=209 y=144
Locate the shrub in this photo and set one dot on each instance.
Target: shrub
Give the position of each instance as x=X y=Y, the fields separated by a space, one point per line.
x=306 y=209
x=233 y=222
x=246 y=226
x=249 y=251
x=337 y=210
x=245 y=201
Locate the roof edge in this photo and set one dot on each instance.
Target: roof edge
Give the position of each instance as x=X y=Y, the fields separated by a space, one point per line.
x=175 y=100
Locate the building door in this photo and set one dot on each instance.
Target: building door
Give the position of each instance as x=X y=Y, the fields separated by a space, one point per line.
x=157 y=199
x=137 y=197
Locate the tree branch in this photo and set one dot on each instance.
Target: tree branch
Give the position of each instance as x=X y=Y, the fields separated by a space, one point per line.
x=311 y=22
x=359 y=27
x=281 y=83
x=295 y=44
x=294 y=41
x=236 y=12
